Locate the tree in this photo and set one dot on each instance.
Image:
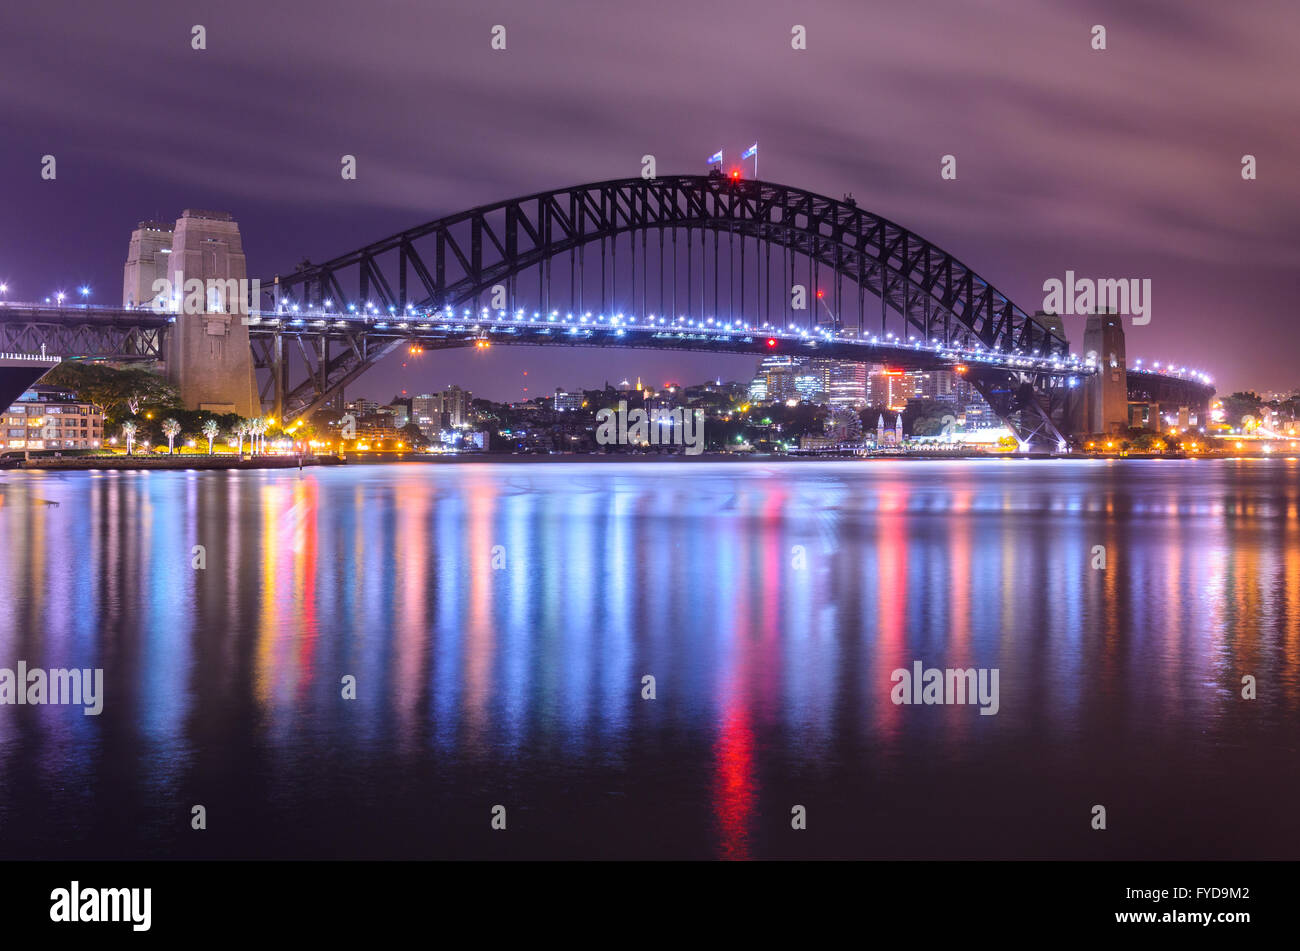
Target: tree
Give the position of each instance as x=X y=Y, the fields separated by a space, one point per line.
x=171 y=429
x=118 y=391
x=128 y=433
x=257 y=428
x=1238 y=405
x=239 y=431
x=210 y=430
x=414 y=436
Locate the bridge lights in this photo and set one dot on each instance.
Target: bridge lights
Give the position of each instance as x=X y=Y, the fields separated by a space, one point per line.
x=771 y=342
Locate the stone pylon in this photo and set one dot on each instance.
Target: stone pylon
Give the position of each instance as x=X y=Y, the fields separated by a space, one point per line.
x=1107 y=390
x=207 y=353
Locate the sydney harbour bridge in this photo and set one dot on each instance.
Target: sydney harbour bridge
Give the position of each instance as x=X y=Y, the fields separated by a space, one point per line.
x=699 y=262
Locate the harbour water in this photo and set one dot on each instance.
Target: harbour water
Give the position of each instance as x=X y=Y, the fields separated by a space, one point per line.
x=500 y=621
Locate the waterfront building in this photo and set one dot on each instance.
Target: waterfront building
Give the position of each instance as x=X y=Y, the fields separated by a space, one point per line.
x=47 y=417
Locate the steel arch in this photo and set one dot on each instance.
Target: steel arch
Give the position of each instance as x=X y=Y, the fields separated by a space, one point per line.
x=466 y=254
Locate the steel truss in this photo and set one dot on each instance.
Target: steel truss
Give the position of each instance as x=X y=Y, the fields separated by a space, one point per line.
x=124 y=335
x=454 y=261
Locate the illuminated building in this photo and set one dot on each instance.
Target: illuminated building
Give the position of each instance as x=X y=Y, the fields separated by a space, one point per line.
x=847 y=384
x=566 y=402
x=52 y=418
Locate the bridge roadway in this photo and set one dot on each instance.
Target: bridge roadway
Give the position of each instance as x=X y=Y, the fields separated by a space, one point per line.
x=380 y=335
x=449 y=329
x=109 y=332
x=362 y=339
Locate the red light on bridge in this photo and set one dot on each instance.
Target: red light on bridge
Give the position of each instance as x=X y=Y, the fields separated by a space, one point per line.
x=821 y=294
x=735 y=174
x=771 y=341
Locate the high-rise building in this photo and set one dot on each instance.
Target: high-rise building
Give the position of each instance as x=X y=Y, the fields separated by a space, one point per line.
x=779 y=373
x=810 y=387
x=847 y=384
x=892 y=388
x=944 y=385
x=455 y=403
x=426 y=412
x=928 y=383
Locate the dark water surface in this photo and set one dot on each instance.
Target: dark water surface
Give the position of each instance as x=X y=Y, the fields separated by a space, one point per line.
x=771 y=602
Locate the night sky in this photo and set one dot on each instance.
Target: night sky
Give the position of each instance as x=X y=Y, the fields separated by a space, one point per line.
x=1122 y=163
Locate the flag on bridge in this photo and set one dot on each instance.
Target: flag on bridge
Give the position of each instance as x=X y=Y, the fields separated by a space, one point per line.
x=716 y=158
x=749 y=152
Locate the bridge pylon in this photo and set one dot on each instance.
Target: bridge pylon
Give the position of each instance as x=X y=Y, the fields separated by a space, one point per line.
x=207 y=353
x=1106 y=391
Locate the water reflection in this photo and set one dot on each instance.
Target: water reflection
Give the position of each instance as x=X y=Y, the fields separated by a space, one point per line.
x=498 y=621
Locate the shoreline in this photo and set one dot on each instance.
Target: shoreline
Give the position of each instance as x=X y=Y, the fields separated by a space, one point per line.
x=164 y=464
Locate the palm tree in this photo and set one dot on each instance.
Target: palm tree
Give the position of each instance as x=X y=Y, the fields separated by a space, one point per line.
x=259 y=430
x=171 y=429
x=128 y=433
x=210 y=430
x=239 y=432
